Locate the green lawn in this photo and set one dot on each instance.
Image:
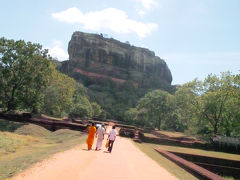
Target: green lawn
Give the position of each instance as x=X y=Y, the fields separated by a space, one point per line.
x=150 y=135
x=31 y=143
x=199 y=152
x=172 y=134
x=174 y=169
x=164 y=162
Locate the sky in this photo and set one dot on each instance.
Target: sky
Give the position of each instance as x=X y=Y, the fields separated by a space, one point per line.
x=194 y=37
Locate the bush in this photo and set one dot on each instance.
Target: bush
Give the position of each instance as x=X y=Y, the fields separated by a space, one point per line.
x=226 y=144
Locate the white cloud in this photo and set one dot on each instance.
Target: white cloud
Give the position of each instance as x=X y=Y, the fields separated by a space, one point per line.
x=141 y=12
x=112 y=19
x=147 y=4
x=56 y=51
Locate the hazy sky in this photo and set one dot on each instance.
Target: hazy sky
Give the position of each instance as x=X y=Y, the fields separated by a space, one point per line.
x=194 y=37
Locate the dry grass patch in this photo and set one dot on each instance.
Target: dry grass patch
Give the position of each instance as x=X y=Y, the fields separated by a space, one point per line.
x=33 y=130
x=30 y=144
x=11 y=142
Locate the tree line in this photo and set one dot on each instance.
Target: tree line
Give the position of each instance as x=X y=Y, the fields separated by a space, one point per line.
x=30 y=82
x=207 y=107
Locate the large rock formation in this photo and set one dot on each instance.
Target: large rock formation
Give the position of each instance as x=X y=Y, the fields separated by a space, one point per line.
x=116 y=74
x=96 y=57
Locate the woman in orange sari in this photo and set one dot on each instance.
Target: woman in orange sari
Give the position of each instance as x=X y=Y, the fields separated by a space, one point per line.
x=91 y=135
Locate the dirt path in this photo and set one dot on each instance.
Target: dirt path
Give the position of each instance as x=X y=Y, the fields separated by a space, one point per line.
x=126 y=162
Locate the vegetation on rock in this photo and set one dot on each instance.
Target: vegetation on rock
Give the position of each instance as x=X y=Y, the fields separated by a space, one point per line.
x=115 y=73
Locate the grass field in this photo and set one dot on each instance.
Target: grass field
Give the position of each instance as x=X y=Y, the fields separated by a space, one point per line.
x=190 y=150
x=150 y=135
x=49 y=117
x=164 y=162
x=174 y=169
x=28 y=144
x=199 y=152
x=172 y=134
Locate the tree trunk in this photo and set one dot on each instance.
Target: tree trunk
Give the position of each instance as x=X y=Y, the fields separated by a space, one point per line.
x=159 y=123
x=215 y=129
x=10 y=106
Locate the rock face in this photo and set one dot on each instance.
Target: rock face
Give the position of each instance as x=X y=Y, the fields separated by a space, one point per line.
x=96 y=57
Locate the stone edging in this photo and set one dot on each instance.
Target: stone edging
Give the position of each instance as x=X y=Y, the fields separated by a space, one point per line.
x=190 y=167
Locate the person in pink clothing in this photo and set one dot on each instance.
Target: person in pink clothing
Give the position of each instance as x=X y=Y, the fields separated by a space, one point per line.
x=112 y=136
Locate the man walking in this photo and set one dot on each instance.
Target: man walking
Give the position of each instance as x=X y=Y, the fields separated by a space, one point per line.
x=100 y=135
x=111 y=137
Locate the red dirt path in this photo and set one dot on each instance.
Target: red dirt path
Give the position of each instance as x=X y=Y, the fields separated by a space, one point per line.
x=126 y=162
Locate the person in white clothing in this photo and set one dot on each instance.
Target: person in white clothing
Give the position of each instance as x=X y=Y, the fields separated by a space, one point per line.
x=100 y=137
x=111 y=137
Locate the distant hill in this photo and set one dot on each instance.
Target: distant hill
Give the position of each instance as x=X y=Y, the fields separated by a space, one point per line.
x=117 y=74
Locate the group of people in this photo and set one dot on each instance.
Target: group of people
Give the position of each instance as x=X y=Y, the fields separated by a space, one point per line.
x=99 y=134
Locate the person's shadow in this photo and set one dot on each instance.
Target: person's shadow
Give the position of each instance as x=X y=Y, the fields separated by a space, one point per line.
x=106 y=151
x=84 y=149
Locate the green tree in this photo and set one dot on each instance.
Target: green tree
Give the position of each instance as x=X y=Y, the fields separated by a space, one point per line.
x=210 y=106
x=131 y=115
x=154 y=107
x=24 y=74
x=82 y=106
x=172 y=122
x=59 y=95
x=186 y=105
x=216 y=94
x=231 y=114
x=82 y=109
x=97 y=110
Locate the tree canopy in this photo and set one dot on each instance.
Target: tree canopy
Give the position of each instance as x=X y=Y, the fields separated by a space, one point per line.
x=24 y=74
x=29 y=81
x=204 y=107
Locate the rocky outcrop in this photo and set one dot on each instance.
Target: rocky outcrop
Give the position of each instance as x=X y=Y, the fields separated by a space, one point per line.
x=94 y=56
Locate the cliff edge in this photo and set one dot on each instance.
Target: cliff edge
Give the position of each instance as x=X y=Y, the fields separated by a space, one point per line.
x=97 y=57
